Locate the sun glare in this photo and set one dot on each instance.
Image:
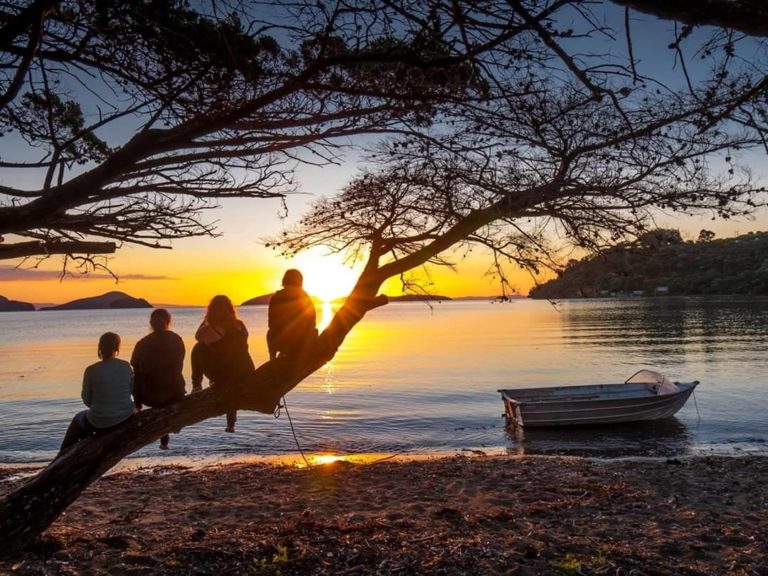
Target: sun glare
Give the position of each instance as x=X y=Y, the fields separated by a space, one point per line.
x=326 y=459
x=325 y=277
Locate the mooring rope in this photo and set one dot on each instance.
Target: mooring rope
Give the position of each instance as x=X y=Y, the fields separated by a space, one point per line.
x=698 y=414
x=276 y=414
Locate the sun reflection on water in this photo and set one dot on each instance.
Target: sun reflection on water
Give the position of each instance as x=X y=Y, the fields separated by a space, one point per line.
x=325 y=459
x=326 y=315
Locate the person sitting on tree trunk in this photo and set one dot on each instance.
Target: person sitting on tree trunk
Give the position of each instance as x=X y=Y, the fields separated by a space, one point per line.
x=158 y=361
x=291 y=318
x=107 y=387
x=221 y=351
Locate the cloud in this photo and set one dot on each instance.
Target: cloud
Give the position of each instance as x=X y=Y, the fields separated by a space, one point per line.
x=11 y=274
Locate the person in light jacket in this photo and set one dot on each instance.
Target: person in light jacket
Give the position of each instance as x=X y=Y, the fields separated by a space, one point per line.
x=107 y=389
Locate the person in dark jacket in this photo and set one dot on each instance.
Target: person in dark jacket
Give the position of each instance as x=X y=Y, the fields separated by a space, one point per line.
x=158 y=362
x=221 y=352
x=107 y=387
x=292 y=318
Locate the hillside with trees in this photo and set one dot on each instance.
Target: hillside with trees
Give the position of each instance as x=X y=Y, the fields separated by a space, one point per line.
x=660 y=262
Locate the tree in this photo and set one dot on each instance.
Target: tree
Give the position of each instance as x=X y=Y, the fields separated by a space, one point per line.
x=734 y=20
x=518 y=173
x=706 y=235
x=528 y=140
x=660 y=237
x=138 y=116
x=748 y=16
x=133 y=118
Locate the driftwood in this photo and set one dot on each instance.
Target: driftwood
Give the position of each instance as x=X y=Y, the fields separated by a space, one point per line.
x=28 y=511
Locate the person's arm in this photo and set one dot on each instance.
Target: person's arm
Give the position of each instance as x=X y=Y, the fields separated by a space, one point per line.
x=137 y=361
x=136 y=355
x=137 y=390
x=182 y=349
x=87 y=392
x=179 y=352
x=271 y=346
x=207 y=334
x=136 y=402
x=312 y=314
x=271 y=310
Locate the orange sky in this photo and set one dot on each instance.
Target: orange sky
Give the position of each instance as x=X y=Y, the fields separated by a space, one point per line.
x=238 y=264
x=185 y=276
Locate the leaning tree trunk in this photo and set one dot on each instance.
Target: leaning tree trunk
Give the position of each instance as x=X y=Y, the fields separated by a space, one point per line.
x=26 y=512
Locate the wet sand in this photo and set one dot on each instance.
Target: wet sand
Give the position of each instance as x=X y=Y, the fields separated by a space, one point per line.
x=459 y=515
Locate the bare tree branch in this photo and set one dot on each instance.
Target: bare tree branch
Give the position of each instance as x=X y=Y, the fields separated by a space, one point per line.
x=748 y=16
x=40 y=248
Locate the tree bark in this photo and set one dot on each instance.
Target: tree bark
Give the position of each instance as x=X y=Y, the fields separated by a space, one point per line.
x=748 y=16
x=40 y=248
x=20 y=23
x=28 y=511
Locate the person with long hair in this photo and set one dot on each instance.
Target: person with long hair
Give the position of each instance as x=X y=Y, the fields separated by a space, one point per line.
x=107 y=388
x=158 y=361
x=221 y=351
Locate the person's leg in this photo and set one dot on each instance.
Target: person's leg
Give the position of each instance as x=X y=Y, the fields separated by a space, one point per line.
x=231 y=419
x=78 y=429
x=197 y=359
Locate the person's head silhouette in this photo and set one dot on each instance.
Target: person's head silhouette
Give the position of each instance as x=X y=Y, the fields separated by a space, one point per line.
x=293 y=278
x=160 y=319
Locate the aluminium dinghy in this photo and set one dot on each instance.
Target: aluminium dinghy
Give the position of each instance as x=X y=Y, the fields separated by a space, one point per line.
x=646 y=395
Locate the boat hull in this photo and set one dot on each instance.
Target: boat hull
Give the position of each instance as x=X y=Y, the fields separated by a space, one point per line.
x=591 y=405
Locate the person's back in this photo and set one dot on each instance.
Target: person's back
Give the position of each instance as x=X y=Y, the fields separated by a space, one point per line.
x=107 y=392
x=292 y=317
x=158 y=360
x=221 y=352
x=107 y=387
x=228 y=357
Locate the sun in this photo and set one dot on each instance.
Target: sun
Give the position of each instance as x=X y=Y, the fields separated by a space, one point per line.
x=325 y=276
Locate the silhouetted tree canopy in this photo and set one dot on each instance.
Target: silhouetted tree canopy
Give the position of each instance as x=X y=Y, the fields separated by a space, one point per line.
x=748 y=16
x=534 y=175
x=125 y=121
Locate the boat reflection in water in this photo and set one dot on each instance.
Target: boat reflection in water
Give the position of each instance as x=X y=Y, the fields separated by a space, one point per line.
x=668 y=437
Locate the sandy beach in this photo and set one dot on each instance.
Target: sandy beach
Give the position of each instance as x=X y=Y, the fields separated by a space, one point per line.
x=458 y=515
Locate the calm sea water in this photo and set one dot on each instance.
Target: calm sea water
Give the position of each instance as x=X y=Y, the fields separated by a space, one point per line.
x=419 y=380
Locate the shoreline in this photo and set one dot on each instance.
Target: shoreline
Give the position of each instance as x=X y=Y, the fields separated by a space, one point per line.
x=200 y=461
x=442 y=515
x=296 y=459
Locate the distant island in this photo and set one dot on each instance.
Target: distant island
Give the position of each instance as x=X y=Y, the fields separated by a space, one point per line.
x=14 y=305
x=408 y=298
x=110 y=300
x=661 y=263
x=418 y=298
x=264 y=299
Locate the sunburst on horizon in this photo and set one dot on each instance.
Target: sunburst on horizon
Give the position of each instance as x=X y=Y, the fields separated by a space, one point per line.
x=325 y=276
